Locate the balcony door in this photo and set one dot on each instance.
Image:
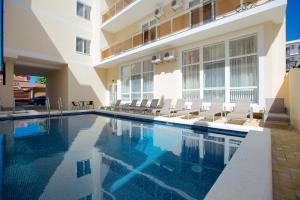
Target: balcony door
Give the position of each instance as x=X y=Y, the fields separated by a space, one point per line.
x=149 y=31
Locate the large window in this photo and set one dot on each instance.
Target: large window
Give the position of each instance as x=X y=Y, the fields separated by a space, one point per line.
x=83 y=45
x=227 y=70
x=191 y=74
x=137 y=81
x=214 y=72
x=83 y=10
x=243 y=69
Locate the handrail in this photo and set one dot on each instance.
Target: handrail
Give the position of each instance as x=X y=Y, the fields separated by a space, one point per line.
x=48 y=106
x=115 y=9
x=183 y=21
x=60 y=105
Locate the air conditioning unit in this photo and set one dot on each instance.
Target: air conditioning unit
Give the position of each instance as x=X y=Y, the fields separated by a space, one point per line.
x=158 y=13
x=176 y=4
x=156 y=59
x=169 y=56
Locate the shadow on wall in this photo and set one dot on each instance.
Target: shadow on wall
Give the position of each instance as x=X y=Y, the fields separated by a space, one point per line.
x=87 y=92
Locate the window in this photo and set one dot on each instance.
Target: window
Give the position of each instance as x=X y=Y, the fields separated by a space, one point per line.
x=137 y=81
x=214 y=72
x=243 y=69
x=83 y=10
x=149 y=31
x=191 y=74
x=83 y=168
x=83 y=46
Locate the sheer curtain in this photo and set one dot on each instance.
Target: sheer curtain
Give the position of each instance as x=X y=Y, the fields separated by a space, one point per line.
x=214 y=72
x=137 y=81
x=125 y=82
x=136 y=77
x=244 y=69
x=191 y=75
x=148 y=76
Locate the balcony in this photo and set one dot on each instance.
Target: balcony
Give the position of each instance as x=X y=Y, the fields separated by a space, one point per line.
x=115 y=9
x=211 y=19
x=123 y=13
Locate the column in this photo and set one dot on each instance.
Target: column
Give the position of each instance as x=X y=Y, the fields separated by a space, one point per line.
x=7 y=99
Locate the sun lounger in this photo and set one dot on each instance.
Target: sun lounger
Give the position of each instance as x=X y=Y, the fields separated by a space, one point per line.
x=241 y=111
x=153 y=105
x=195 y=108
x=179 y=106
x=142 y=105
x=113 y=107
x=166 y=106
x=128 y=106
x=215 y=108
x=275 y=111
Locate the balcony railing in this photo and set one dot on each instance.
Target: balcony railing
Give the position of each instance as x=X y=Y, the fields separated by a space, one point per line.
x=186 y=20
x=115 y=9
x=250 y=93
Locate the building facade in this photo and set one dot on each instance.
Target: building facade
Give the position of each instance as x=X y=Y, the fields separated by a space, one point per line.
x=134 y=49
x=292 y=54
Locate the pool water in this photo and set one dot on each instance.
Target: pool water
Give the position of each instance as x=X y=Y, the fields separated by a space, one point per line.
x=94 y=157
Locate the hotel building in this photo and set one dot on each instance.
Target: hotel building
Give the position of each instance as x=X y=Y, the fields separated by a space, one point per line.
x=133 y=49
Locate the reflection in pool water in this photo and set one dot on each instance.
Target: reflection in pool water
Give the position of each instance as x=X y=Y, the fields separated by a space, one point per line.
x=95 y=157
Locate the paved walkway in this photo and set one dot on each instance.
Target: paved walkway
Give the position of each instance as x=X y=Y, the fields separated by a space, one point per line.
x=286 y=164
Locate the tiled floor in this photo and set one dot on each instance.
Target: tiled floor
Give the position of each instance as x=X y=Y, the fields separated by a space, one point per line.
x=286 y=164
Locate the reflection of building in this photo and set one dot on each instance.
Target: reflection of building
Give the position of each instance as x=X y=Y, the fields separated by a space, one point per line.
x=113 y=158
x=292 y=53
x=24 y=90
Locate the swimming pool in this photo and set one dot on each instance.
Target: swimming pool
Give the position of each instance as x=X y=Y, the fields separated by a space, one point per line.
x=96 y=157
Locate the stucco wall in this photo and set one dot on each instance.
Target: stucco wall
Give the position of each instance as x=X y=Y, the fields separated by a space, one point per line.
x=275 y=56
x=6 y=91
x=47 y=34
x=294 y=96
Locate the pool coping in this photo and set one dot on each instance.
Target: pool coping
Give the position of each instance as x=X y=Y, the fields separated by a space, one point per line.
x=247 y=175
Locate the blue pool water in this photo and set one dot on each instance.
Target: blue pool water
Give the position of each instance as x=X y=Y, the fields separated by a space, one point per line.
x=94 y=157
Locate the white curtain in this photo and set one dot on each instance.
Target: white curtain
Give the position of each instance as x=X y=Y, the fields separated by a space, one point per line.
x=125 y=82
x=214 y=72
x=244 y=69
x=191 y=75
x=137 y=81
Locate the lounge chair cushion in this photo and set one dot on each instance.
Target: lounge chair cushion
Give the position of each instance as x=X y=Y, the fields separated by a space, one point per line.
x=237 y=115
x=278 y=117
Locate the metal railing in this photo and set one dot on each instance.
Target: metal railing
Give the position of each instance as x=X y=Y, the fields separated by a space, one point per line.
x=250 y=93
x=60 y=106
x=48 y=106
x=115 y=9
x=182 y=21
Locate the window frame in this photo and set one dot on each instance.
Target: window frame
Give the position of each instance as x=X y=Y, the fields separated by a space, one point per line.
x=226 y=40
x=85 y=7
x=142 y=72
x=245 y=56
x=83 y=45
